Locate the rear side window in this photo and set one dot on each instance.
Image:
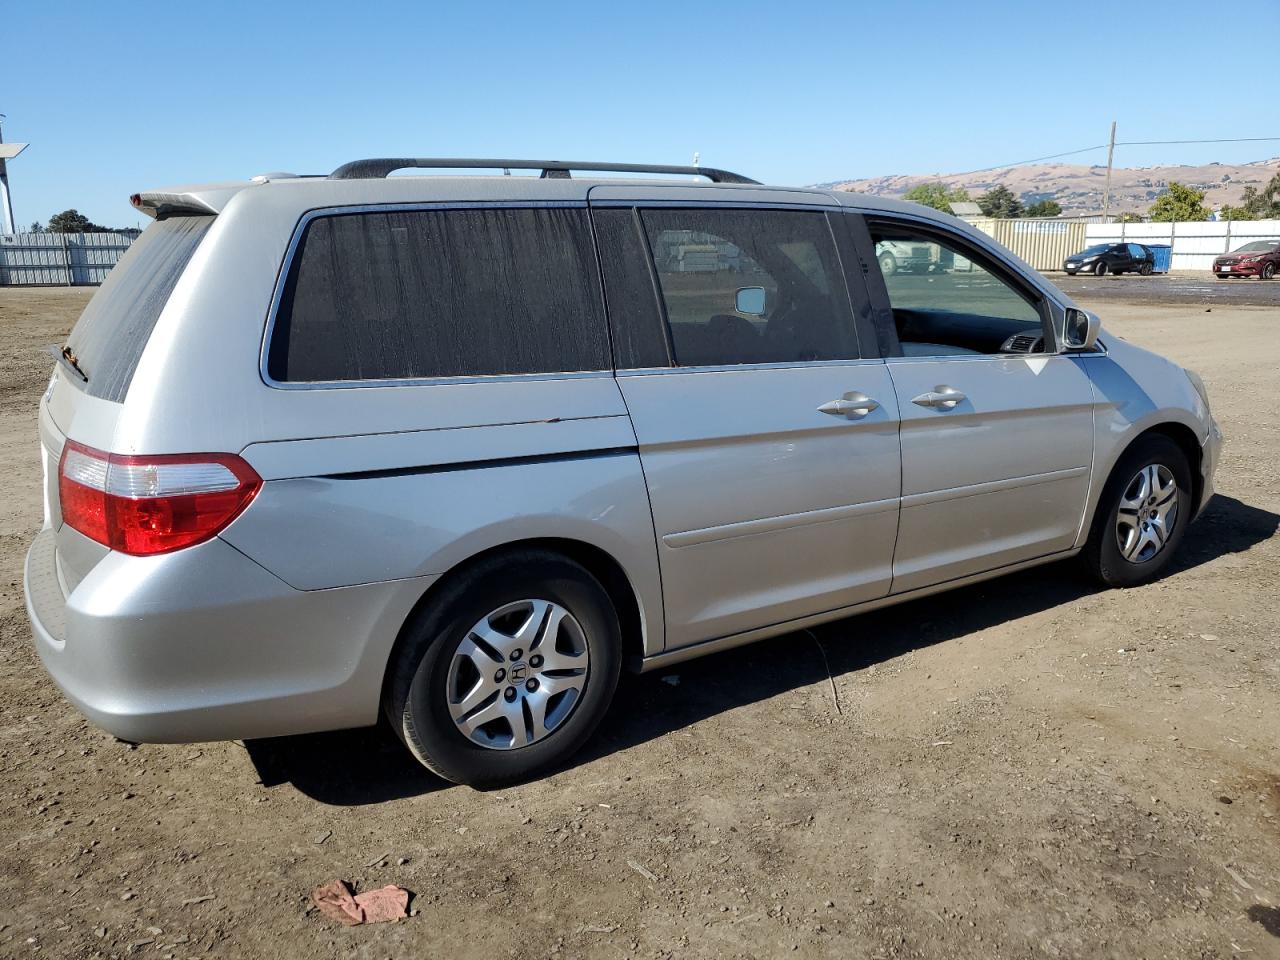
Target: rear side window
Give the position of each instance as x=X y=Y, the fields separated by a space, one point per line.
x=635 y=318
x=411 y=294
x=750 y=286
x=111 y=334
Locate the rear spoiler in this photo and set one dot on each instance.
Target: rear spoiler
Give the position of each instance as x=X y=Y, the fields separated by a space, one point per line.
x=198 y=200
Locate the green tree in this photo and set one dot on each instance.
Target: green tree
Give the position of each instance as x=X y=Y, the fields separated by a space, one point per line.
x=1000 y=202
x=1179 y=202
x=36 y=227
x=73 y=221
x=936 y=195
x=1229 y=212
x=1256 y=204
x=1130 y=217
x=1044 y=208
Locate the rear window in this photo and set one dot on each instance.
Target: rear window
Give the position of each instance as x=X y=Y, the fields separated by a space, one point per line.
x=111 y=334
x=411 y=294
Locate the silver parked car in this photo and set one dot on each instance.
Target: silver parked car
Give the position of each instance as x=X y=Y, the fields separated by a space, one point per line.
x=456 y=449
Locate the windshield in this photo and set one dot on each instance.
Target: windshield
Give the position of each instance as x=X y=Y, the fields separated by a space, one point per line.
x=1093 y=251
x=1258 y=246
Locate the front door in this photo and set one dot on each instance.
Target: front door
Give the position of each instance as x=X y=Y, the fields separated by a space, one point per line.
x=769 y=444
x=997 y=428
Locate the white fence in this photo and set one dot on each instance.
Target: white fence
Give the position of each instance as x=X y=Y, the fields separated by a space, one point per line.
x=1194 y=244
x=59 y=259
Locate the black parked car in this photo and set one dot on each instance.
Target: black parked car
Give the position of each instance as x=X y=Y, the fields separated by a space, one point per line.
x=1104 y=258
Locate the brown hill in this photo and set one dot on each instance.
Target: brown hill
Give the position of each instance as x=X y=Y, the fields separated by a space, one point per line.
x=1079 y=188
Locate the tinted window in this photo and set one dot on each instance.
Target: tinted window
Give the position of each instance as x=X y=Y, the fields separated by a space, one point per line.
x=1137 y=252
x=704 y=257
x=111 y=334
x=441 y=293
x=947 y=301
x=635 y=317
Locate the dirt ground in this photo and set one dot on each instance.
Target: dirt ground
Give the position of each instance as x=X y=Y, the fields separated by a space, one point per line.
x=1025 y=768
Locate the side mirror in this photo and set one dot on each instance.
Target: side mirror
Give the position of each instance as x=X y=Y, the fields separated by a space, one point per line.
x=750 y=301
x=1082 y=329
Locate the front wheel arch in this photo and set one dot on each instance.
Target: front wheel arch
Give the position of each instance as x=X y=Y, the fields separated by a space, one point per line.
x=1187 y=442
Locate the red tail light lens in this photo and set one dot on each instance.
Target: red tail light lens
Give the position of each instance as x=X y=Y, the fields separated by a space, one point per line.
x=144 y=505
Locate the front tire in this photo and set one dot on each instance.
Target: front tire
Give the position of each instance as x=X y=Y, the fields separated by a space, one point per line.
x=1100 y=270
x=1268 y=271
x=1144 y=510
x=507 y=671
x=888 y=264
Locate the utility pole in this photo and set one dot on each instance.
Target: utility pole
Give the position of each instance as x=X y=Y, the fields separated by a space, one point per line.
x=1106 y=196
x=7 y=152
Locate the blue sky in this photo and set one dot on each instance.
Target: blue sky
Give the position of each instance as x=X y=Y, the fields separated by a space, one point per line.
x=115 y=97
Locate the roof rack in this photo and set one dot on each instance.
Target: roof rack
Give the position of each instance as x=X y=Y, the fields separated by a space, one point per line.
x=551 y=169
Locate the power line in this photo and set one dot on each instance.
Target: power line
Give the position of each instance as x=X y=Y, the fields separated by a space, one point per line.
x=1052 y=156
x=1139 y=143
x=1119 y=143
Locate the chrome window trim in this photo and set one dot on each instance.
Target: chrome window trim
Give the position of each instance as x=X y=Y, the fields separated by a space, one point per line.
x=747 y=367
x=968 y=358
x=282 y=276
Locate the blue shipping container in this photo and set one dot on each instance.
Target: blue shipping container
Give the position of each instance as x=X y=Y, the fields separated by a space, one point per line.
x=1164 y=256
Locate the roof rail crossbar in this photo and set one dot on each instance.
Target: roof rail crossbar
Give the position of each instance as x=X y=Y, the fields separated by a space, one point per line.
x=383 y=166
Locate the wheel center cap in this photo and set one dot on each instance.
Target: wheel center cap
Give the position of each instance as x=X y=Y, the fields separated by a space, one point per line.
x=518 y=672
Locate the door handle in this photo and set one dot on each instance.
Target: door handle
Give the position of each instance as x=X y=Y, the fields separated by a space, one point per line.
x=852 y=406
x=940 y=397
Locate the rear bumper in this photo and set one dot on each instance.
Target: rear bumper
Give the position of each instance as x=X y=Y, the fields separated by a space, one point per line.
x=204 y=644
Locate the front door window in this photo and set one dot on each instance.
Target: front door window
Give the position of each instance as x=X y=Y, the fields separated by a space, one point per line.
x=946 y=303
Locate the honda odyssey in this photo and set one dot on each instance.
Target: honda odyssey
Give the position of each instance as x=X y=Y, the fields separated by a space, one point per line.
x=454 y=450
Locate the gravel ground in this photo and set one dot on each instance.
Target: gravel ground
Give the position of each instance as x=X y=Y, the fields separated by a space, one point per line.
x=1178 y=289
x=1025 y=768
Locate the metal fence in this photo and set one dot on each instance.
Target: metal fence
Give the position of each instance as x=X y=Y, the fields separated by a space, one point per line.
x=1043 y=243
x=1195 y=243
x=59 y=259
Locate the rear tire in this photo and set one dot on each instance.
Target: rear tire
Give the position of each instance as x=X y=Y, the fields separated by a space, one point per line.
x=508 y=601
x=1146 y=270
x=888 y=264
x=1135 y=511
x=1100 y=270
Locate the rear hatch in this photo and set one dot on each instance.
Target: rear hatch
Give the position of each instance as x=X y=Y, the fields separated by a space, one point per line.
x=99 y=360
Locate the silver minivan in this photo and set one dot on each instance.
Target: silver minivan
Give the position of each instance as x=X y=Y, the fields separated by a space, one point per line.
x=456 y=449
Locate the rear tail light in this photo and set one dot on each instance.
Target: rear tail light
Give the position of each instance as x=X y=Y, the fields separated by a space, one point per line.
x=144 y=505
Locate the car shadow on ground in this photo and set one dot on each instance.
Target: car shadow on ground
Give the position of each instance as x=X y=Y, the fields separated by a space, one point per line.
x=356 y=767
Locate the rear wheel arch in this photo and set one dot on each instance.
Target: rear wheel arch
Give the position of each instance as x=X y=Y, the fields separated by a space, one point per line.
x=598 y=562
